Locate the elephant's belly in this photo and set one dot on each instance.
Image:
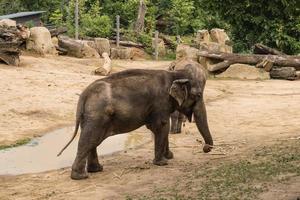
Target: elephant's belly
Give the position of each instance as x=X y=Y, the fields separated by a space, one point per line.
x=126 y=125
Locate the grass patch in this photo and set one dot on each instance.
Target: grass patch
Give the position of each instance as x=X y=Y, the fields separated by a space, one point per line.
x=16 y=144
x=242 y=179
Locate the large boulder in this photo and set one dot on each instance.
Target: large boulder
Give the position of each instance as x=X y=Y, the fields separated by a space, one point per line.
x=8 y=22
x=40 y=41
x=202 y=36
x=243 y=71
x=102 y=45
x=219 y=36
x=161 y=46
x=87 y=51
x=185 y=51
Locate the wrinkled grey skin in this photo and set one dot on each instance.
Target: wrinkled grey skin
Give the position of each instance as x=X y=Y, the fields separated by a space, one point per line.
x=125 y=101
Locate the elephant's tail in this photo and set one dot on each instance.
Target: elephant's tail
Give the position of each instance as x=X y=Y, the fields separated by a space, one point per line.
x=78 y=118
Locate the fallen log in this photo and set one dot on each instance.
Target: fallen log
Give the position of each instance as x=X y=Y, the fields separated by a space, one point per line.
x=58 y=31
x=263 y=49
x=286 y=73
x=128 y=44
x=232 y=58
x=73 y=47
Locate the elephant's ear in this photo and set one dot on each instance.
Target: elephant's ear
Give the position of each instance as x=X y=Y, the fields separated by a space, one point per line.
x=179 y=90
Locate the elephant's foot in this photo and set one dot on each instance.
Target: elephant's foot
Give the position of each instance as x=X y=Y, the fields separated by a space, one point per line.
x=160 y=162
x=92 y=168
x=78 y=176
x=169 y=155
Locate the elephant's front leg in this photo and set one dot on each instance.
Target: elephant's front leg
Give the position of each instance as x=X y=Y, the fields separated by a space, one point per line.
x=161 y=131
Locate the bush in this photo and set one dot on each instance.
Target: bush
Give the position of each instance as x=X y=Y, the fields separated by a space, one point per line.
x=99 y=26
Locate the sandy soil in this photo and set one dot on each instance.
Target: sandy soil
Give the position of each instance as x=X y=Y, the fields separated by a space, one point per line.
x=42 y=95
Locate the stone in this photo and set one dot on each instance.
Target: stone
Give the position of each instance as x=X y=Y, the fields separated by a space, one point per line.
x=88 y=52
x=55 y=41
x=219 y=35
x=8 y=22
x=186 y=51
x=243 y=71
x=202 y=36
x=40 y=41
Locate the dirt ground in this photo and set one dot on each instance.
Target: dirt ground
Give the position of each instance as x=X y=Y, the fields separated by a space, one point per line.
x=42 y=93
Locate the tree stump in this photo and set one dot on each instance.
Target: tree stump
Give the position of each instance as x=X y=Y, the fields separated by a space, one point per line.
x=121 y=53
x=102 y=45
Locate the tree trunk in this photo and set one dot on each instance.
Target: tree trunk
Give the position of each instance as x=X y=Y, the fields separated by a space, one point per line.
x=232 y=58
x=58 y=31
x=128 y=44
x=73 y=47
x=262 y=49
x=140 y=22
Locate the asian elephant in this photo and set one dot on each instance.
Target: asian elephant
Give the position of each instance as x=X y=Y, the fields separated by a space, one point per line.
x=127 y=100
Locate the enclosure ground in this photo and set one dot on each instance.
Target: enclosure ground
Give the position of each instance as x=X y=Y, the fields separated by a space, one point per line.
x=250 y=121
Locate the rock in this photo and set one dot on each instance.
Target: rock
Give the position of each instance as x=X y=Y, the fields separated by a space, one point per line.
x=102 y=45
x=186 y=51
x=243 y=71
x=55 y=41
x=40 y=41
x=137 y=54
x=161 y=47
x=219 y=36
x=121 y=53
x=202 y=36
x=8 y=22
x=87 y=51
x=215 y=47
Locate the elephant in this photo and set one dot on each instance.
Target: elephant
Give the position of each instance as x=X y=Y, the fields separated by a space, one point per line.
x=127 y=100
x=177 y=118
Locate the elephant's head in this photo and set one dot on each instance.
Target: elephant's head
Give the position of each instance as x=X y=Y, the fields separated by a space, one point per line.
x=188 y=93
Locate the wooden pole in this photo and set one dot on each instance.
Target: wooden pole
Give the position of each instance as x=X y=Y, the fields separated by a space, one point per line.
x=156 y=45
x=76 y=20
x=118 y=31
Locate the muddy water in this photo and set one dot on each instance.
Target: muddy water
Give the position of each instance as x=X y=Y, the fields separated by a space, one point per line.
x=40 y=154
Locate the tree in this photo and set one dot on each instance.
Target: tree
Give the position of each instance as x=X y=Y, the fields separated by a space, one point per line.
x=275 y=23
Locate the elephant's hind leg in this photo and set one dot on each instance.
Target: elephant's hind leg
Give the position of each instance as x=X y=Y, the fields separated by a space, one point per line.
x=92 y=134
x=93 y=162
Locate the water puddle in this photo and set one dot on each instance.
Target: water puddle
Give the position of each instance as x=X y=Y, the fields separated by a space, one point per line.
x=40 y=154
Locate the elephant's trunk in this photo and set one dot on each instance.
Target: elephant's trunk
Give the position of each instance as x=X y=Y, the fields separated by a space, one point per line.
x=201 y=122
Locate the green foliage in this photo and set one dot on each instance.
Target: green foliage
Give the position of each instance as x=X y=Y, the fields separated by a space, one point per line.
x=56 y=17
x=180 y=15
x=98 y=26
x=274 y=23
x=29 y=24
